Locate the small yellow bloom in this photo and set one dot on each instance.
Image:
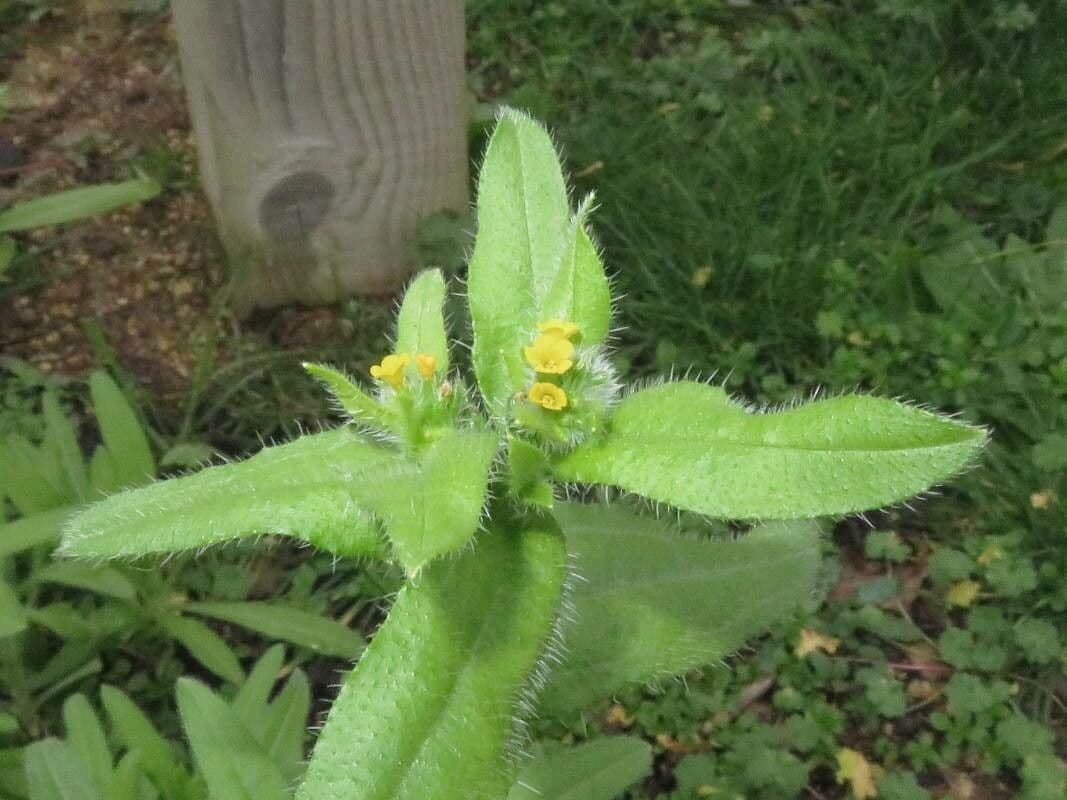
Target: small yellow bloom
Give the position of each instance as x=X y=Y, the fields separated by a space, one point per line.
x=426 y=365
x=559 y=327
x=548 y=395
x=811 y=640
x=551 y=354
x=963 y=594
x=391 y=370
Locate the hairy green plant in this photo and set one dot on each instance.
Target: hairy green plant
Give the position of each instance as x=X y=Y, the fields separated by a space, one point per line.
x=516 y=600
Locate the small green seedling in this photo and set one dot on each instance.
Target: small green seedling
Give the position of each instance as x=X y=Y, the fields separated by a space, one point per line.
x=517 y=602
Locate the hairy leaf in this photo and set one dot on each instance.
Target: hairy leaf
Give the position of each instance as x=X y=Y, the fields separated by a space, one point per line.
x=121 y=431
x=301 y=489
x=433 y=505
x=522 y=217
x=290 y=624
x=580 y=292
x=652 y=603
x=352 y=400
x=234 y=765
x=689 y=445
x=420 y=326
x=599 y=770
x=446 y=670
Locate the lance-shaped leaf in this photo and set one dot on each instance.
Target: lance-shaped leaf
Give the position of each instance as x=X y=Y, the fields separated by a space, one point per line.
x=278 y=621
x=579 y=292
x=125 y=439
x=300 y=489
x=234 y=765
x=350 y=399
x=428 y=712
x=598 y=770
x=432 y=505
x=689 y=445
x=420 y=326
x=522 y=218
x=652 y=603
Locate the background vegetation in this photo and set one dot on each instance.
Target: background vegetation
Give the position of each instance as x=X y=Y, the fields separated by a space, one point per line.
x=793 y=196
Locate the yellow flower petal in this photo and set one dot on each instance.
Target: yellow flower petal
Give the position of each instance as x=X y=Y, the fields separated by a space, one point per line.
x=548 y=396
x=811 y=640
x=858 y=771
x=426 y=364
x=962 y=594
x=550 y=354
x=391 y=370
x=559 y=327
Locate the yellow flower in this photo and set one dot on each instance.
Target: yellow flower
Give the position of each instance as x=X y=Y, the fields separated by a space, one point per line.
x=391 y=370
x=559 y=327
x=426 y=365
x=548 y=395
x=811 y=640
x=550 y=354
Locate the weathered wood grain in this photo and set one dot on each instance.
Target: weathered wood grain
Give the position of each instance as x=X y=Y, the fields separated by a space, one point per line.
x=326 y=130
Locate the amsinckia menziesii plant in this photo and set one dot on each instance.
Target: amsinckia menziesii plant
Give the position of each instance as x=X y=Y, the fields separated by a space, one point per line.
x=517 y=602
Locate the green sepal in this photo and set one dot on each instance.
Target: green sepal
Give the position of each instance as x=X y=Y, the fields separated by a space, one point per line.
x=432 y=504
x=652 y=603
x=301 y=489
x=429 y=711
x=522 y=218
x=420 y=325
x=528 y=471
x=689 y=445
x=350 y=399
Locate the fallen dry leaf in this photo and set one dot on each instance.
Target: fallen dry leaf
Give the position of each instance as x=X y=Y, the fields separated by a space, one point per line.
x=811 y=640
x=858 y=772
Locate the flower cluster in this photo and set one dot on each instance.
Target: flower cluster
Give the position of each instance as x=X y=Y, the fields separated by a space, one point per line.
x=551 y=355
x=394 y=366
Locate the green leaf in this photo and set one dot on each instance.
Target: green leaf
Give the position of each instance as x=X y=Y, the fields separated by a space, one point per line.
x=580 y=292
x=127 y=779
x=352 y=400
x=600 y=770
x=86 y=735
x=93 y=577
x=36 y=529
x=26 y=477
x=689 y=445
x=76 y=204
x=250 y=702
x=287 y=623
x=54 y=772
x=285 y=726
x=653 y=603
x=103 y=472
x=121 y=431
x=62 y=439
x=12 y=614
x=433 y=505
x=420 y=326
x=205 y=646
x=429 y=709
x=300 y=489
x=233 y=764
x=136 y=733
x=522 y=218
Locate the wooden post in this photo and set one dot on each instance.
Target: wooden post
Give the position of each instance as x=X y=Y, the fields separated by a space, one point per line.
x=326 y=130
